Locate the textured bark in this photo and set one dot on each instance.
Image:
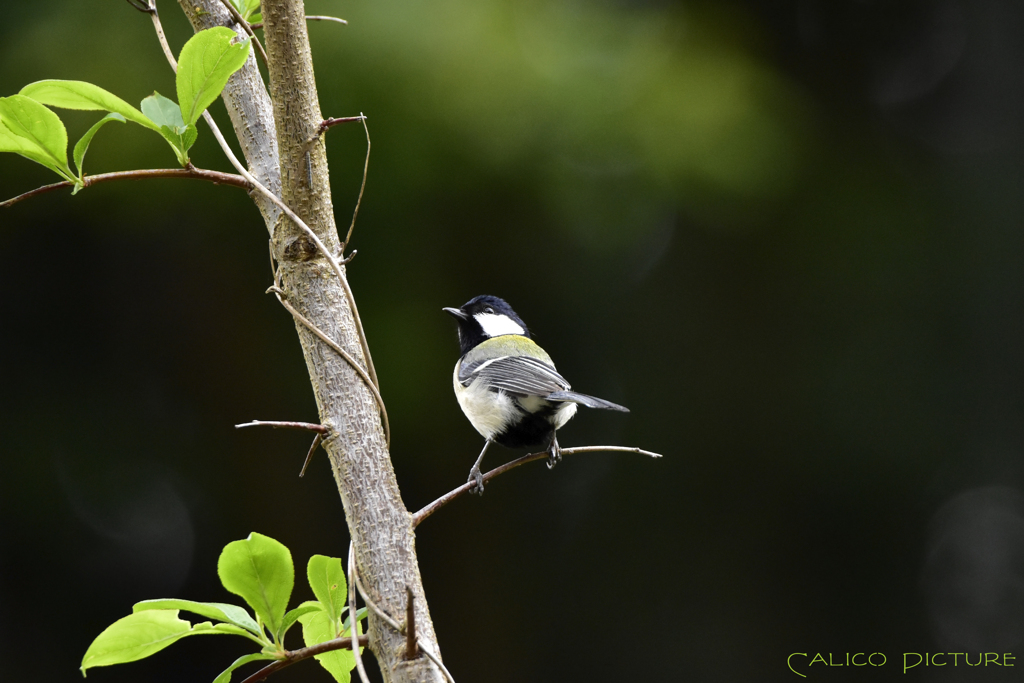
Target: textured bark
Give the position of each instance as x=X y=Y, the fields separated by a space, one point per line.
x=379 y=524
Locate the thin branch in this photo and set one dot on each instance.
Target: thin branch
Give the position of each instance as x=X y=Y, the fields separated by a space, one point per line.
x=331 y=121
x=295 y=656
x=352 y=609
x=465 y=488
x=320 y=17
x=344 y=282
x=344 y=354
x=309 y=17
x=215 y=177
x=160 y=36
x=248 y=29
x=309 y=456
x=308 y=426
x=359 y=200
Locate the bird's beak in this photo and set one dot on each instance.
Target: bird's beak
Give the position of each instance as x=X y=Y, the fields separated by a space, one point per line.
x=455 y=312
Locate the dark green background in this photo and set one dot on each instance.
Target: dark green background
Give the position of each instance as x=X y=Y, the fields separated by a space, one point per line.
x=788 y=235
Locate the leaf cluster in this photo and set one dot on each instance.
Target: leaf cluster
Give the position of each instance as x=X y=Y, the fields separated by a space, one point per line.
x=258 y=569
x=249 y=9
x=30 y=128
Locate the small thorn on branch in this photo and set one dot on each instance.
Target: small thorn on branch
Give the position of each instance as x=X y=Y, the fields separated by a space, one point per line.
x=309 y=456
x=412 y=650
x=331 y=121
x=321 y=17
x=320 y=430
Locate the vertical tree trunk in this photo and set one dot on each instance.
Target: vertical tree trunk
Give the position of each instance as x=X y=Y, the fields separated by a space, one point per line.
x=379 y=524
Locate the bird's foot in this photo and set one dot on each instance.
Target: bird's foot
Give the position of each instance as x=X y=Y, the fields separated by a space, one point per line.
x=554 y=454
x=476 y=481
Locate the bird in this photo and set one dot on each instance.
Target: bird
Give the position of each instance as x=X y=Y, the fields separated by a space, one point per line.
x=508 y=386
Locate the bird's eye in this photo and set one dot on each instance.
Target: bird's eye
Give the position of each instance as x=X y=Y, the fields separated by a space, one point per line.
x=488 y=310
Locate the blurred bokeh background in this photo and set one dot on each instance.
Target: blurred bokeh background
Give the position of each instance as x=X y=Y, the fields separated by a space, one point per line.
x=786 y=233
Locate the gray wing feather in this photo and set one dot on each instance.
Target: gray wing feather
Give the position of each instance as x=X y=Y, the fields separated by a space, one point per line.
x=528 y=376
x=583 y=399
x=515 y=374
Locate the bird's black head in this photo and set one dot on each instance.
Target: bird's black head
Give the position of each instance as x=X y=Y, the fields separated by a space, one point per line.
x=484 y=317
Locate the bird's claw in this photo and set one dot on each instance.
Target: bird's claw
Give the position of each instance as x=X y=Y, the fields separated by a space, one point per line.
x=554 y=455
x=476 y=481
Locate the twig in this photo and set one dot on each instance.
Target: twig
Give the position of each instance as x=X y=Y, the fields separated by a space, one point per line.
x=352 y=609
x=411 y=650
x=344 y=282
x=359 y=200
x=320 y=17
x=455 y=493
x=331 y=121
x=259 y=187
x=309 y=456
x=309 y=17
x=276 y=424
x=215 y=177
x=344 y=354
x=295 y=656
x=150 y=8
x=248 y=29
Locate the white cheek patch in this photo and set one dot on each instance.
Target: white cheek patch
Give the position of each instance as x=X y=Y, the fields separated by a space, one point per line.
x=495 y=325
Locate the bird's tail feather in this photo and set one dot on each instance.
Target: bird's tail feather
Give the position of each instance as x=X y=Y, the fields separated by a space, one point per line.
x=583 y=399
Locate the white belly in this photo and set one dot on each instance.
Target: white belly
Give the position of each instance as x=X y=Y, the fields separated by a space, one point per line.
x=488 y=411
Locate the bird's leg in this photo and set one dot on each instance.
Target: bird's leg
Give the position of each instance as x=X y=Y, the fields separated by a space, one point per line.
x=474 y=474
x=554 y=451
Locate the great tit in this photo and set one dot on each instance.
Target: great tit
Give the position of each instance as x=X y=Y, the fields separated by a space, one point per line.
x=507 y=385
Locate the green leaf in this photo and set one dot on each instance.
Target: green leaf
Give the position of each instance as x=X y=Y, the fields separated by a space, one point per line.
x=259 y=569
x=166 y=115
x=246 y=9
x=43 y=136
x=327 y=579
x=162 y=111
x=206 y=628
x=134 y=637
x=206 y=62
x=233 y=614
x=225 y=675
x=180 y=142
x=317 y=627
x=296 y=614
x=9 y=142
x=255 y=18
x=82 y=95
x=144 y=633
x=82 y=146
x=360 y=615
